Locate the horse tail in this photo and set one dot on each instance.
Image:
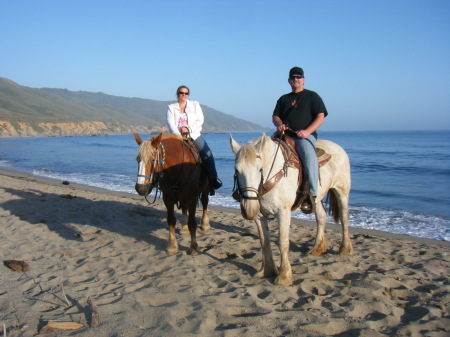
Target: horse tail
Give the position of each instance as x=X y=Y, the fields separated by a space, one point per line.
x=333 y=206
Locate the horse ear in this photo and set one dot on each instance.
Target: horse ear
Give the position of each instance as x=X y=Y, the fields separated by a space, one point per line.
x=137 y=138
x=156 y=140
x=235 y=147
x=264 y=140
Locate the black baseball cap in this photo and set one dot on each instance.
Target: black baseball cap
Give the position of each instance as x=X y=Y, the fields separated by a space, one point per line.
x=296 y=71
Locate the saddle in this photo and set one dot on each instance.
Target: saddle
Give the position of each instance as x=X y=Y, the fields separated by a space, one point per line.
x=190 y=145
x=303 y=188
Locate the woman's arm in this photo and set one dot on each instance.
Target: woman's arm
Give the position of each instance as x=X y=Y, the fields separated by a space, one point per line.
x=170 y=119
x=195 y=125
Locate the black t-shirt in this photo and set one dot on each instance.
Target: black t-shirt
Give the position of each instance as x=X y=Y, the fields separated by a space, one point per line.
x=299 y=110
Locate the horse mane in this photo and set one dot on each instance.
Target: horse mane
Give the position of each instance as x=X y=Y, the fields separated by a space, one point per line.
x=147 y=150
x=252 y=149
x=247 y=153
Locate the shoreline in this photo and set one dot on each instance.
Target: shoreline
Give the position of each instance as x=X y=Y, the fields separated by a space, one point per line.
x=6 y=171
x=89 y=245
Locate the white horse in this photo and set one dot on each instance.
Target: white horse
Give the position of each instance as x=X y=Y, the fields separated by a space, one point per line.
x=259 y=158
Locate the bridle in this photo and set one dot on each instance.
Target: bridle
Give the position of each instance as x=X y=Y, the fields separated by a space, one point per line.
x=238 y=191
x=157 y=167
x=265 y=186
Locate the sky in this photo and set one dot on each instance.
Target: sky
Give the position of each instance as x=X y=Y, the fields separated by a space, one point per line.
x=378 y=65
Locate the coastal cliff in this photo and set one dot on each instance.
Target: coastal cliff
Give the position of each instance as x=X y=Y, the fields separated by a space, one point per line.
x=46 y=112
x=86 y=128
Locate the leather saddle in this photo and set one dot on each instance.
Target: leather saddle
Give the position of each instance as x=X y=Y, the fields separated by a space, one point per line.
x=303 y=195
x=187 y=141
x=190 y=145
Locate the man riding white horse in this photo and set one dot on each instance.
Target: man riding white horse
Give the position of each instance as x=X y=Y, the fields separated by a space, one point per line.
x=303 y=112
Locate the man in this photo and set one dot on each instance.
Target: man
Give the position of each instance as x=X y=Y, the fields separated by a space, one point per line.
x=302 y=111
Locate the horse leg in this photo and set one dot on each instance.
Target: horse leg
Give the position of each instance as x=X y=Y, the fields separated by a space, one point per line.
x=184 y=226
x=346 y=245
x=268 y=267
x=204 y=225
x=284 y=221
x=320 y=244
x=172 y=247
x=192 y=225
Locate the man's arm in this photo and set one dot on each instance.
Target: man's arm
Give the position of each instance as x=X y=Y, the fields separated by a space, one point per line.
x=279 y=123
x=312 y=127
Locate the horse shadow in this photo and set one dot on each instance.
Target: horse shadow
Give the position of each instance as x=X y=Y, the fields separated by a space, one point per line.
x=63 y=214
x=67 y=216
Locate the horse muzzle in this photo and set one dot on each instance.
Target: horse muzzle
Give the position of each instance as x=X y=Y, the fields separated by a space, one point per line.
x=249 y=209
x=143 y=189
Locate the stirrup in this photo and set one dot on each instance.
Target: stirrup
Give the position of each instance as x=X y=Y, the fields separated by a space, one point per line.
x=308 y=205
x=216 y=183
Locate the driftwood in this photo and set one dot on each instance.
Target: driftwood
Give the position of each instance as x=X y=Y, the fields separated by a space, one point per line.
x=95 y=318
x=15 y=265
x=51 y=325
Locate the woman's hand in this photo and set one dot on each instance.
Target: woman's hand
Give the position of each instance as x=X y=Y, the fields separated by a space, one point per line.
x=184 y=130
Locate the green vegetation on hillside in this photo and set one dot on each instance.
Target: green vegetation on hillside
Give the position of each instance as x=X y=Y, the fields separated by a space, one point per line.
x=33 y=106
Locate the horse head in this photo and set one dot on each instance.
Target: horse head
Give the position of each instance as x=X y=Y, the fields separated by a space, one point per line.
x=147 y=159
x=248 y=167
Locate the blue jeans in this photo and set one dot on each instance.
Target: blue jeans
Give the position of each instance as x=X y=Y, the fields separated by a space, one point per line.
x=307 y=153
x=206 y=155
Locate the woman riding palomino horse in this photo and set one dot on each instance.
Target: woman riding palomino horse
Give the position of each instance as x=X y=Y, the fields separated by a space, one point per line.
x=166 y=162
x=257 y=162
x=186 y=118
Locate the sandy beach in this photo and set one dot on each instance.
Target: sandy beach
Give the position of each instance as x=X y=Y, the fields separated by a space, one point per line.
x=82 y=242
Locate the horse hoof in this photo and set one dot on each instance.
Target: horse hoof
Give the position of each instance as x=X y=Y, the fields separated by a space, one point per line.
x=285 y=282
x=346 y=251
x=262 y=274
x=172 y=251
x=316 y=252
x=192 y=252
x=184 y=230
x=205 y=228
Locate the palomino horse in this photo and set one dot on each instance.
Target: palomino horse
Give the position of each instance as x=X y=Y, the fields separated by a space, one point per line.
x=168 y=163
x=259 y=158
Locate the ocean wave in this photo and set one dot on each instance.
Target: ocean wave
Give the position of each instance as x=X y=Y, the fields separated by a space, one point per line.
x=388 y=220
x=401 y=222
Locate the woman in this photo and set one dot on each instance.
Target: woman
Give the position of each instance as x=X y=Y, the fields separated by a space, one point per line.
x=186 y=118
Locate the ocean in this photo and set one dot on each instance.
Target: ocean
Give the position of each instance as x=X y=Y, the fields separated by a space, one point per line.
x=400 y=179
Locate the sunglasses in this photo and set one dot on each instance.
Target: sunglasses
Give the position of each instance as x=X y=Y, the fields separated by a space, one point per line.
x=295 y=76
x=183 y=93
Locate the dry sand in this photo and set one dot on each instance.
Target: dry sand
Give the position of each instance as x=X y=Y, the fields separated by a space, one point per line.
x=83 y=242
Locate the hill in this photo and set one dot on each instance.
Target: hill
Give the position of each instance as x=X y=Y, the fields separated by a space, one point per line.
x=26 y=112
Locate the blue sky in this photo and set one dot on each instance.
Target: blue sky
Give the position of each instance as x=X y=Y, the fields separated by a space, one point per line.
x=378 y=65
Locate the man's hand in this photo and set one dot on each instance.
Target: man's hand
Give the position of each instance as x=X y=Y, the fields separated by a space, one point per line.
x=282 y=127
x=302 y=134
